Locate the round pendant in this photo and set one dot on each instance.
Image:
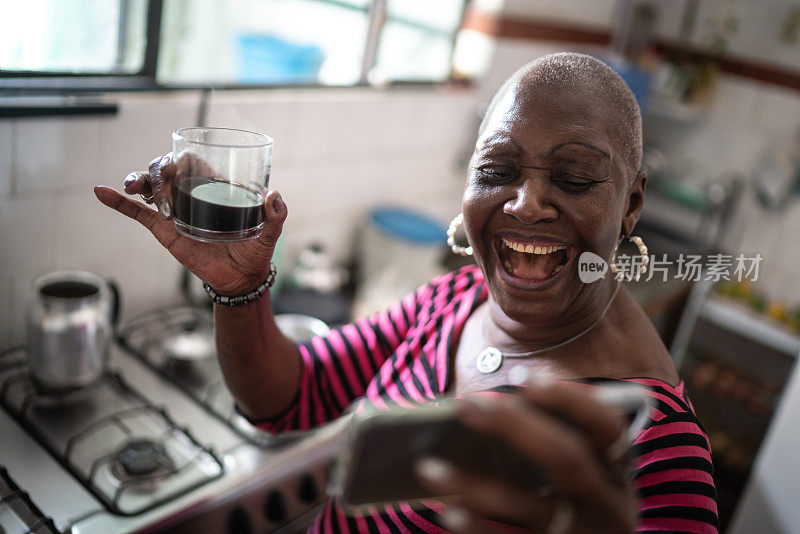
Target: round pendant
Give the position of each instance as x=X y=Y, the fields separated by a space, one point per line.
x=489 y=360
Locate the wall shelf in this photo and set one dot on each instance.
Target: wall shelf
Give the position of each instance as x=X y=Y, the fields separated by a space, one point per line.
x=750 y=325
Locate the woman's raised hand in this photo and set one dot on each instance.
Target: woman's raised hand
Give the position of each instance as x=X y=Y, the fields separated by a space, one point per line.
x=230 y=268
x=589 y=493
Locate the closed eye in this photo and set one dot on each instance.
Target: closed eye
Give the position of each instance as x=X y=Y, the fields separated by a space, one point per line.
x=574 y=183
x=496 y=173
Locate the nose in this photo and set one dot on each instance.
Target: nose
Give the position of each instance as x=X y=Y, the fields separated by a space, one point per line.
x=531 y=202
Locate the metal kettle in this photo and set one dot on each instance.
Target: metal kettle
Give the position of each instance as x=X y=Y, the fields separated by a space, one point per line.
x=70 y=327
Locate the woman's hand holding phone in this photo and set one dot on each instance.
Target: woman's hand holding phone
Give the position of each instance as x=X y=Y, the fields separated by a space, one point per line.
x=573 y=438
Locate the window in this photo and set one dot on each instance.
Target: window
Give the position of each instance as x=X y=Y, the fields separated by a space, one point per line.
x=262 y=42
x=416 y=43
x=73 y=36
x=190 y=43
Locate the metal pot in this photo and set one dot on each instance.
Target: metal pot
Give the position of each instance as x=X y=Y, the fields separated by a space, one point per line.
x=70 y=327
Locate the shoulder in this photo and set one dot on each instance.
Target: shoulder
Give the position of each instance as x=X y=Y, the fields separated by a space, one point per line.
x=673 y=469
x=453 y=286
x=672 y=431
x=461 y=279
x=672 y=410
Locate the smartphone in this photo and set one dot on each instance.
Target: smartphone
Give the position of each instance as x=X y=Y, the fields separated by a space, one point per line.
x=377 y=466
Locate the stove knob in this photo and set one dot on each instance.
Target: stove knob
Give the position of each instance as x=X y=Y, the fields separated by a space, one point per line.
x=309 y=492
x=239 y=522
x=275 y=507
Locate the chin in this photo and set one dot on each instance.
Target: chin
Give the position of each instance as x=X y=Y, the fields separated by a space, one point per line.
x=544 y=312
x=541 y=306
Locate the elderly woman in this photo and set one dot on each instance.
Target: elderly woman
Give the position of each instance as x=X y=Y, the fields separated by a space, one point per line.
x=556 y=173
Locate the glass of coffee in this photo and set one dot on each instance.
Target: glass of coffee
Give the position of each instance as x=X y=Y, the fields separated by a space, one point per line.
x=220 y=183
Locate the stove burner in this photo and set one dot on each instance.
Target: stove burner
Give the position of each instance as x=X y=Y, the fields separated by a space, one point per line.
x=191 y=345
x=61 y=398
x=142 y=457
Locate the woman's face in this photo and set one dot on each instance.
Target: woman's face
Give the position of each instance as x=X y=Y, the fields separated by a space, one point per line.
x=547 y=182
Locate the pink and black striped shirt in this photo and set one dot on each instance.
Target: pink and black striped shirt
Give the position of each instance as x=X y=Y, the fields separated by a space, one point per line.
x=401 y=357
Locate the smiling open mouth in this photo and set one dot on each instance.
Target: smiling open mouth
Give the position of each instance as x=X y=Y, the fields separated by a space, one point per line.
x=531 y=262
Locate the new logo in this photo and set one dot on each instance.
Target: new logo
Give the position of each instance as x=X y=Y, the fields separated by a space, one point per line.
x=591 y=267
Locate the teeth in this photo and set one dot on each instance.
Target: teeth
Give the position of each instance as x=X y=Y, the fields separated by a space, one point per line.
x=531 y=249
x=558 y=268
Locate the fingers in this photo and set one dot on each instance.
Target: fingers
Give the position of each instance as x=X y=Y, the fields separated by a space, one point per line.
x=482 y=496
x=126 y=206
x=602 y=424
x=136 y=184
x=578 y=473
x=275 y=213
x=561 y=451
x=164 y=231
x=161 y=172
x=189 y=164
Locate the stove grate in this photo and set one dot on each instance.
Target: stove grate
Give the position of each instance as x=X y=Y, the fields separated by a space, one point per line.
x=83 y=431
x=146 y=338
x=18 y=511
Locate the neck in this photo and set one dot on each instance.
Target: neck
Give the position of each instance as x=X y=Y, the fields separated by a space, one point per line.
x=584 y=318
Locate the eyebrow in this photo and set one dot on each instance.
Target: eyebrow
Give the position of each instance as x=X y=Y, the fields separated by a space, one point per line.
x=587 y=145
x=500 y=139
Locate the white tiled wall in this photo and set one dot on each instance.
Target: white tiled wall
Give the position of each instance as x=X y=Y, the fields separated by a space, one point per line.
x=55 y=155
x=759 y=33
x=337 y=154
x=580 y=12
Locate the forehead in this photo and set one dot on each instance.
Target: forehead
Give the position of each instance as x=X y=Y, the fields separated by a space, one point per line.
x=536 y=119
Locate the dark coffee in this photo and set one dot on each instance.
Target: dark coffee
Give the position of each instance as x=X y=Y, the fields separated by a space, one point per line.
x=69 y=289
x=217 y=205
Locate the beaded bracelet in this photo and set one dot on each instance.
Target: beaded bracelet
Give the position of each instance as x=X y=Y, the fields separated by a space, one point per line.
x=239 y=300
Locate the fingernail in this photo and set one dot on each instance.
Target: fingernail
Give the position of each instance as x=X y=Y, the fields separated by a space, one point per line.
x=166 y=160
x=479 y=403
x=434 y=469
x=130 y=179
x=164 y=208
x=277 y=203
x=539 y=380
x=455 y=518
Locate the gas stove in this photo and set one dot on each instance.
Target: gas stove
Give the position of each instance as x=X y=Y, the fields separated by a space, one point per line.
x=156 y=444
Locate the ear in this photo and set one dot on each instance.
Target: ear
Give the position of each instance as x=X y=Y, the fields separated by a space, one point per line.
x=634 y=202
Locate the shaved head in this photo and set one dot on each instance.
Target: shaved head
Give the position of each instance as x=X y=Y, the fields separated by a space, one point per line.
x=578 y=73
